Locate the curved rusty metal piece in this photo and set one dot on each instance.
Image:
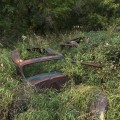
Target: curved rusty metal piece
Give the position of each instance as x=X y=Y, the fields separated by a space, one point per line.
x=41 y=59
x=58 y=80
x=15 y=55
x=72 y=43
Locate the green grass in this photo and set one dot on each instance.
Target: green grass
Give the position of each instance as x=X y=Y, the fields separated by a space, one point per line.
x=21 y=102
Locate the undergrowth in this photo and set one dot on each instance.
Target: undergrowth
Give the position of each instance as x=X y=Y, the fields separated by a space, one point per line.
x=18 y=101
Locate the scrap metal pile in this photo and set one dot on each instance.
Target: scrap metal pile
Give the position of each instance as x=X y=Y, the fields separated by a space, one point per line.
x=53 y=79
x=56 y=79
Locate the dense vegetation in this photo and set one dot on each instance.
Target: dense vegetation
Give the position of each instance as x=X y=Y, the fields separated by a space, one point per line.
x=21 y=16
x=47 y=23
x=18 y=101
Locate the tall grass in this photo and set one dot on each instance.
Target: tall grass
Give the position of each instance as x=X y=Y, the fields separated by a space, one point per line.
x=19 y=102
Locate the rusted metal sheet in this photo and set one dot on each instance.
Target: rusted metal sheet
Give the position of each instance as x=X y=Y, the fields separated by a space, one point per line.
x=71 y=43
x=56 y=80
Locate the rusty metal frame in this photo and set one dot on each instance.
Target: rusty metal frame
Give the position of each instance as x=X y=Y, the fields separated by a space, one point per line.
x=56 y=81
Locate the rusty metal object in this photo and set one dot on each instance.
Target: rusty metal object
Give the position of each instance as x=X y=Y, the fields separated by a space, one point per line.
x=71 y=43
x=55 y=82
x=75 y=43
x=51 y=52
x=99 y=107
x=89 y=64
x=53 y=79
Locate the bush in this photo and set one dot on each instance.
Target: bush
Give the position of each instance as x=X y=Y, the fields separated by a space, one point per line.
x=18 y=101
x=17 y=18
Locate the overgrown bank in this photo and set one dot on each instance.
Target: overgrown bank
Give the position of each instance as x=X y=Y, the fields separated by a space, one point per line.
x=18 y=101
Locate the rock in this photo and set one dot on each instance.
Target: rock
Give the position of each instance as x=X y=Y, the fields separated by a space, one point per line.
x=99 y=107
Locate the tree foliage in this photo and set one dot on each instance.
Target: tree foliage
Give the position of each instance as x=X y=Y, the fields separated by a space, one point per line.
x=20 y=16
